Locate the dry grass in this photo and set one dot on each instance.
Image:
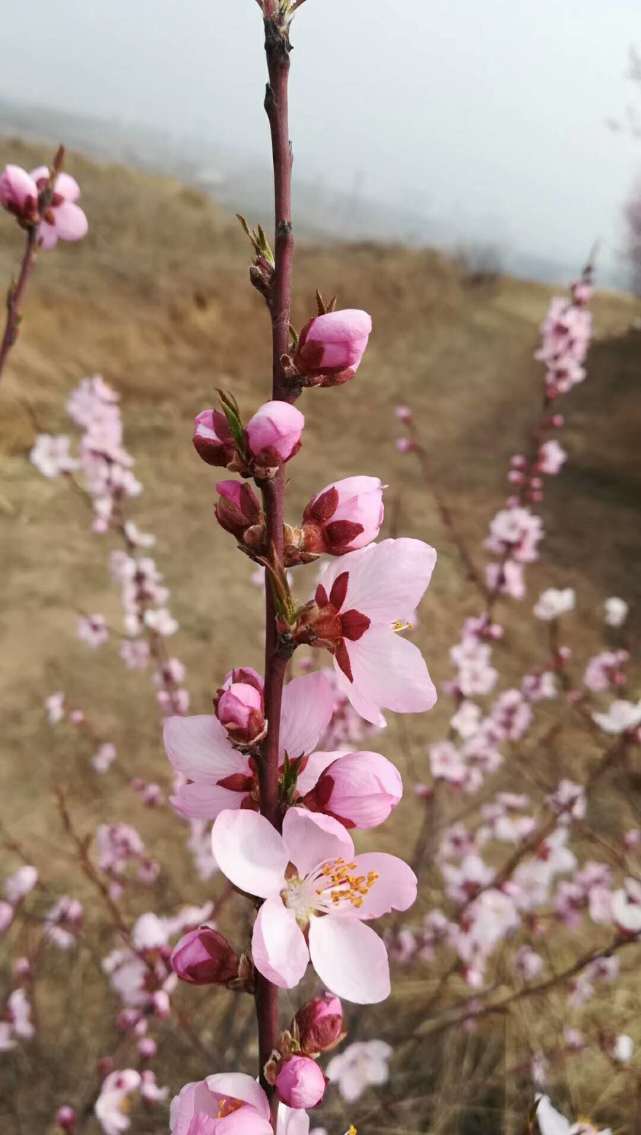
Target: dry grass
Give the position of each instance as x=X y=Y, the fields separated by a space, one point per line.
x=156 y=299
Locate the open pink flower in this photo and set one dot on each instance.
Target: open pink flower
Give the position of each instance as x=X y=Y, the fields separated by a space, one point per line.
x=318 y=897
x=360 y=604
x=230 y=1104
x=221 y=776
x=344 y=517
x=63 y=219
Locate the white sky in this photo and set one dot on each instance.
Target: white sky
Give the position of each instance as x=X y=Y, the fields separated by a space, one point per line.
x=485 y=115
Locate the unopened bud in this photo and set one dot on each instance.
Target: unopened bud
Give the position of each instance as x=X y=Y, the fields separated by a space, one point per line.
x=300 y=1083
x=359 y=789
x=240 y=709
x=213 y=439
x=204 y=957
x=238 y=508
x=331 y=346
x=66 y=1119
x=319 y=1025
x=274 y=434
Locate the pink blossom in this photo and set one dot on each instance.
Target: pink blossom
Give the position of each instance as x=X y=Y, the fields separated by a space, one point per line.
x=516 y=531
x=553 y=603
x=605 y=670
x=212 y=438
x=54 y=706
x=626 y=907
x=104 y=757
x=360 y=604
x=19 y=193
x=220 y=775
x=506 y=579
x=361 y=1064
x=19 y=885
x=19 y=1014
x=359 y=789
x=51 y=455
x=204 y=957
x=446 y=763
x=621 y=717
x=66 y=1119
x=331 y=346
x=616 y=611
x=345 y=516
x=112 y=1106
x=62 y=218
x=93 y=630
x=300 y=1082
x=135 y=653
x=274 y=434
x=551 y=457
x=330 y=891
x=227 y=1104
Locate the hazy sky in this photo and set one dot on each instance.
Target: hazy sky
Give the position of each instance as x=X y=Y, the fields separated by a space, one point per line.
x=486 y=115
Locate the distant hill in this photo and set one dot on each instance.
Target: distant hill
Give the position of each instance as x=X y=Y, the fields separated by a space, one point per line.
x=244 y=185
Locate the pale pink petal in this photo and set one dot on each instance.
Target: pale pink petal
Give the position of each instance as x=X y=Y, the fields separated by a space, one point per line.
x=316 y=764
x=47 y=236
x=39 y=173
x=67 y=186
x=395 y=888
x=350 y=959
x=311 y=838
x=386 y=580
x=193 y=1099
x=291 y=1121
x=279 y=949
x=239 y=1086
x=389 y=672
x=199 y=748
x=245 y=1121
x=70 y=221
x=17 y=185
x=250 y=852
x=308 y=705
x=201 y=801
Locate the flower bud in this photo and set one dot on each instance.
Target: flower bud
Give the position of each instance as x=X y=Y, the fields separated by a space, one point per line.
x=319 y=1024
x=300 y=1083
x=359 y=789
x=238 y=508
x=240 y=709
x=213 y=439
x=204 y=957
x=274 y=434
x=331 y=346
x=66 y=1118
x=245 y=674
x=345 y=516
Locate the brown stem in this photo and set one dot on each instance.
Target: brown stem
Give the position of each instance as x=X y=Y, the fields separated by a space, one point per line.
x=15 y=296
x=277 y=49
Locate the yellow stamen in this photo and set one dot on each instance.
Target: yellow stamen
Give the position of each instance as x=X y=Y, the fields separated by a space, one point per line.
x=399 y=625
x=344 y=886
x=227 y=1107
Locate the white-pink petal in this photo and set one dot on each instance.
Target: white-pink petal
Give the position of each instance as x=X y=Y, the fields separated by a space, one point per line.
x=279 y=950
x=199 y=748
x=316 y=765
x=250 y=852
x=70 y=221
x=350 y=959
x=311 y=838
x=395 y=888
x=239 y=1086
x=387 y=580
x=307 y=708
x=388 y=671
x=201 y=801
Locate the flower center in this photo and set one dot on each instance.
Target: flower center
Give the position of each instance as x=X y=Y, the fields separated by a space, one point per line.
x=227 y=1107
x=333 y=885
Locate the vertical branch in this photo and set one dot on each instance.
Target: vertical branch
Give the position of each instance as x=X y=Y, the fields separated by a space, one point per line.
x=15 y=296
x=277 y=49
